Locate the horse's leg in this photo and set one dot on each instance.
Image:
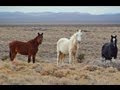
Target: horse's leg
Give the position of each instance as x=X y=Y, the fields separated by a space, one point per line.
x=29 y=58
x=74 y=58
x=13 y=55
x=62 y=58
x=115 y=56
x=34 y=58
x=70 y=57
x=10 y=55
x=58 y=57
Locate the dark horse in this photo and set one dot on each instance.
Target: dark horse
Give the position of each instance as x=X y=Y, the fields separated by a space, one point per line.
x=110 y=50
x=29 y=48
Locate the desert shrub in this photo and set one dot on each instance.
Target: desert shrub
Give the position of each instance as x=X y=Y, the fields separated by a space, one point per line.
x=90 y=67
x=107 y=64
x=80 y=57
x=112 y=69
x=4 y=58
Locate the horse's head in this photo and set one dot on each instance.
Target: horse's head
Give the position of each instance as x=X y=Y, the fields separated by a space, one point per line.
x=78 y=36
x=114 y=39
x=39 y=38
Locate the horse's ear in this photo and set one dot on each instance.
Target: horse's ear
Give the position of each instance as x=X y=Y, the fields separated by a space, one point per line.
x=79 y=30
x=82 y=30
x=38 y=33
x=41 y=33
x=111 y=35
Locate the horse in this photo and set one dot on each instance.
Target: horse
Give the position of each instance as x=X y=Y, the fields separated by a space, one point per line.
x=29 y=48
x=110 y=50
x=68 y=46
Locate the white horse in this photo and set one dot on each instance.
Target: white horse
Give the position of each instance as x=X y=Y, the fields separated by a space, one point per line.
x=68 y=46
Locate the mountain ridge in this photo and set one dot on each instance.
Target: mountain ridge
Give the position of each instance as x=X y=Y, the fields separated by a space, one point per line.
x=57 y=17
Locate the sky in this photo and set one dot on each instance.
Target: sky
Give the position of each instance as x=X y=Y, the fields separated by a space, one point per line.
x=82 y=9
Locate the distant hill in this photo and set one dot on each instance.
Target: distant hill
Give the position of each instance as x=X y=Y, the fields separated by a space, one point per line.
x=62 y=17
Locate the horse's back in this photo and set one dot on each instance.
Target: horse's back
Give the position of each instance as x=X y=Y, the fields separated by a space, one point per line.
x=19 y=45
x=14 y=43
x=106 y=45
x=105 y=48
x=63 y=40
x=63 y=45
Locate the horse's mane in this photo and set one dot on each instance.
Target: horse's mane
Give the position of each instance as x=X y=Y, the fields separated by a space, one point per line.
x=73 y=36
x=33 y=41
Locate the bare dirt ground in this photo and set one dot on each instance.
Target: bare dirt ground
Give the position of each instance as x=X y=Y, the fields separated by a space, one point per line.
x=45 y=71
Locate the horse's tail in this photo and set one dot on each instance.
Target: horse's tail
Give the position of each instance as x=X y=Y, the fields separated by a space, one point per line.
x=57 y=47
x=58 y=54
x=10 y=54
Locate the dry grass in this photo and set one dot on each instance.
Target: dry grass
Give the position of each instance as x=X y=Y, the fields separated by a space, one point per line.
x=91 y=71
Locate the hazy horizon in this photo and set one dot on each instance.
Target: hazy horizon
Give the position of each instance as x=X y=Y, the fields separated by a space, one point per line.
x=95 y=10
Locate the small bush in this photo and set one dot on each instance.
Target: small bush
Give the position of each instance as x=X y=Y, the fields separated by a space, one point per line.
x=90 y=67
x=4 y=58
x=80 y=57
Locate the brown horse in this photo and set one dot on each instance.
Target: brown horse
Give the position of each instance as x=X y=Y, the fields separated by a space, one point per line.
x=29 y=48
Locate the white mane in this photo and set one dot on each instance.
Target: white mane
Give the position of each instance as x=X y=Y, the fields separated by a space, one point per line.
x=74 y=35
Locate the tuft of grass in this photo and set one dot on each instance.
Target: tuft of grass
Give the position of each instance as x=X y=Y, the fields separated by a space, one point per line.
x=80 y=57
x=4 y=58
x=7 y=65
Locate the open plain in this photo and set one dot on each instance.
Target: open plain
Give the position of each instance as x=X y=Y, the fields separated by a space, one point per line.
x=91 y=71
